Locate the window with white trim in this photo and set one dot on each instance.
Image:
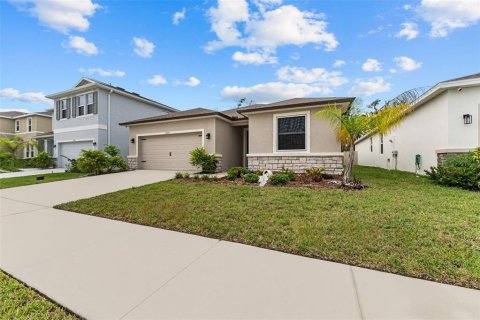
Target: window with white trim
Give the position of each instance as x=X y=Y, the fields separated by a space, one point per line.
x=17 y=125
x=90 y=103
x=29 y=151
x=291 y=132
x=63 y=109
x=29 y=125
x=81 y=105
x=381 y=143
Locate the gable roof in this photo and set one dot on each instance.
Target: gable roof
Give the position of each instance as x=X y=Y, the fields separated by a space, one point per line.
x=295 y=102
x=19 y=114
x=471 y=76
x=11 y=114
x=85 y=83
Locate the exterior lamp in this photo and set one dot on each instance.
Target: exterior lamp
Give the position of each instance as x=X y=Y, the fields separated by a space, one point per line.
x=207 y=136
x=467 y=119
x=132 y=140
x=94 y=143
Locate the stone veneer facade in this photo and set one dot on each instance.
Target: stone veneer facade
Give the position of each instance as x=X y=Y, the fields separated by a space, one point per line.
x=331 y=164
x=441 y=157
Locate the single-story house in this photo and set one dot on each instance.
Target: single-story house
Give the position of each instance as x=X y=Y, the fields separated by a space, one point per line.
x=262 y=136
x=445 y=120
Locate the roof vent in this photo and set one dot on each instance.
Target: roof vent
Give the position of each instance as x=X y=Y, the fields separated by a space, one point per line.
x=120 y=88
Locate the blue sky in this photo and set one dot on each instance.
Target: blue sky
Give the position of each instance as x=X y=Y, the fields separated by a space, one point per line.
x=211 y=53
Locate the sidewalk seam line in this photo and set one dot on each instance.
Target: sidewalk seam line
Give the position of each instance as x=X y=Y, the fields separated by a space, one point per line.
x=28 y=211
x=36 y=204
x=171 y=278
x=357 y=294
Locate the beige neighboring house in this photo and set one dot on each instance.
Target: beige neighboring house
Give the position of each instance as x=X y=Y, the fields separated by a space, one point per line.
x=445 y=121
x=30 y=126
x=262 y=136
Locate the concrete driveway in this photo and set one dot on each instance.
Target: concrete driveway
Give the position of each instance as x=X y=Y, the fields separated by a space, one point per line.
x=105 y=269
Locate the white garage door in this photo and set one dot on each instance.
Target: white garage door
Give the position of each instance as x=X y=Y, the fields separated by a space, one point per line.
x=71 y=150
x=168 y=152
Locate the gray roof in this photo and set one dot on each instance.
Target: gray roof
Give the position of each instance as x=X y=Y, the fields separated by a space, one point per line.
x=471 y=76
x=11 y=114
x=295 y=102
x=191 y=113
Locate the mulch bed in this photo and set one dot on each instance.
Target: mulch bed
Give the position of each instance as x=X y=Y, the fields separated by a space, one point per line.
x=328 y=182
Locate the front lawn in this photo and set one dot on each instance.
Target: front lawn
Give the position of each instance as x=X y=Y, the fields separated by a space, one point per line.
x=50 y=177
x=18 y=301
x=402 y=223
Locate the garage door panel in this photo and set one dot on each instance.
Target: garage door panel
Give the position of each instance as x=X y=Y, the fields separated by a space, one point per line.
x=71 y=150
x=168 y=152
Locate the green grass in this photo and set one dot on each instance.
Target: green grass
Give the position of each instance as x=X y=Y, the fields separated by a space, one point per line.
x=401 y=224
x=18 y=301
x=25 y=181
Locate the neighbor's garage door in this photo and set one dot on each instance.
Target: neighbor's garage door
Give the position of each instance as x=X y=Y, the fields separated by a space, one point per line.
x=168 y=152
x=71 y=150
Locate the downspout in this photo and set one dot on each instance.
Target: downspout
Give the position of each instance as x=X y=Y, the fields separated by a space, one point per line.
x=108 y=125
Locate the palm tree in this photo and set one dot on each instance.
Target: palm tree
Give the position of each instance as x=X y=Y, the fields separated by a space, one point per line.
x=353 y=124
x=15 y=144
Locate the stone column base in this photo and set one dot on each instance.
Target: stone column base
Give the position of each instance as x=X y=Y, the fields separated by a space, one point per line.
x=331 y=164
x=132 y=163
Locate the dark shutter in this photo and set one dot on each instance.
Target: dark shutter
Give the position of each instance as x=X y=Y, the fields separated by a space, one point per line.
x=74 y=106
x=57 y=109
x=95 y=107
x=68 y=107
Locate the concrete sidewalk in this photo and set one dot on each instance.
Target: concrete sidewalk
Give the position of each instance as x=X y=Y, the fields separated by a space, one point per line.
x=105 y=269
x=30 y=172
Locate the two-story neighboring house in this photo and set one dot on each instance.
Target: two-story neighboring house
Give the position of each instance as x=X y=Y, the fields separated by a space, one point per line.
x=87 y=117
x=30 y=126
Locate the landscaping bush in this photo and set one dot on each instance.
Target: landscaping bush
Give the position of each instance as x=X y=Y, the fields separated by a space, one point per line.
x=461 y=171
x=314 y=174
x=251 y=178
x=116 y=163
x=43 y=161
x=236 y=172
x=200 y=158
x=279 y=178
x=71 y=166
x=186 y=175
x=205 y=177
x=93 y=161
x=289 y=173
x=112 y=150
x=178 y=175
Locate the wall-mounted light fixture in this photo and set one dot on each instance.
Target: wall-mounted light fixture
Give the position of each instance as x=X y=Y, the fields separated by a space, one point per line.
x=132 y=140
x=207 y=136
x=94 y=143
x=467 y=119
x=54 y=145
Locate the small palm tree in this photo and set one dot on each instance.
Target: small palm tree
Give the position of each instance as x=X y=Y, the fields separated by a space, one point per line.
x=353 y=124
x=15 y=144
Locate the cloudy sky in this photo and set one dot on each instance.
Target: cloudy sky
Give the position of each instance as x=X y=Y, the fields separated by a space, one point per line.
x=212 y=53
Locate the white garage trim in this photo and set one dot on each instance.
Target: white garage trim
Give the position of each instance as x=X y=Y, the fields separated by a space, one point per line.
x=68 y=141
x=167 y=133
x=81 y=128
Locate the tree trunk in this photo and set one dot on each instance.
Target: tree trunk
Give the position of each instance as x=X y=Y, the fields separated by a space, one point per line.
x=348 y=170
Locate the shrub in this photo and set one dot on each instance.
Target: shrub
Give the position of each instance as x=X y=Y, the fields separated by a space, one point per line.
x=314 y=174
x=112 y=150
x=71 y=166
x=186 y=175
x=93 y=161
x=236 y=172
x=214 y=178
x=200 y=158
x=205 y=177
x=251 y=178
x=43 y=160
x=289 y=173
x=196 y=176
x=116 y=163
x=461 y=171
x=178 y=175
x=279 y=178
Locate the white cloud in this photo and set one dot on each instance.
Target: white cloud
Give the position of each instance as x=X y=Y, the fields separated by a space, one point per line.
x=60 y=15
x=192 y=82
x=318 y=76
x=271 y=91
x=407 y=64
x=409 y=31
x=82 y=46
x=392 y=70
x=369 y=87
x=157 y=80
x=262 y=5
x=254 y=58
x=178 y=16
x=31 y=97
x=268 y=28
x=143 y=48
x=372 y=65
x=102 y=72
x=407 y=6
x=446 y=15
x=339 y=63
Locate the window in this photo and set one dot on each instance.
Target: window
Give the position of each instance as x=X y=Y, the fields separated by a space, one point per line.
x=371 y=144
x=80 y=105
x=29 y=124
x=17 y=125
x=29 y=151
x=90 y=103
x=63 y=109
x=291 y=133
x=381 y=143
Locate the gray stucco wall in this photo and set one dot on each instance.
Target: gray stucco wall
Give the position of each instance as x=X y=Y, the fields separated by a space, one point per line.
x=229 y=143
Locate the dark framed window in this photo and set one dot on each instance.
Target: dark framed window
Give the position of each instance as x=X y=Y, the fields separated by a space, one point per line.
x=63 y=108
x=371 y=144
x=291 y=133
x=381 y=143
x=90 y=103
x=81 y=105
